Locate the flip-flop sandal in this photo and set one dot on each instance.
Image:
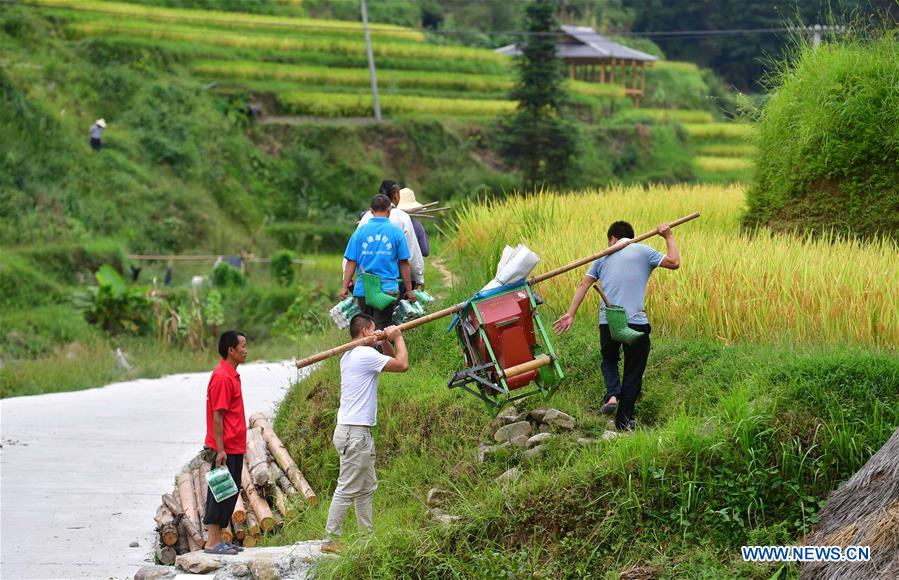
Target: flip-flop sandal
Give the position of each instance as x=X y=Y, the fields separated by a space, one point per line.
x=237 y=547
x=223 y=549
x=609 y=408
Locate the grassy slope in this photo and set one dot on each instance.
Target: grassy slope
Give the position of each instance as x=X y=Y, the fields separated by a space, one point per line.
x=738 y=445
x=829 y=142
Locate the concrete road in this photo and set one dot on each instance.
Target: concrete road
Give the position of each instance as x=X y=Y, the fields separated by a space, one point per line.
x=81 y=473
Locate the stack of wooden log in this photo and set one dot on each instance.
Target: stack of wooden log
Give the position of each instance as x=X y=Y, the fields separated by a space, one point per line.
x=272 y=485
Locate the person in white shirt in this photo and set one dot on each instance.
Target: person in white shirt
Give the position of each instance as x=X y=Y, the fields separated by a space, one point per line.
x=401 y=219
x=359 y=372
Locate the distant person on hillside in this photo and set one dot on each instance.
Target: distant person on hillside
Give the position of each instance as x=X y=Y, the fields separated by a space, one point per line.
x=401 y=219
x=360 y=369
x=408 y=203
x=96 y=134
x=379 y=248
x=226 y=434
x=623 y=277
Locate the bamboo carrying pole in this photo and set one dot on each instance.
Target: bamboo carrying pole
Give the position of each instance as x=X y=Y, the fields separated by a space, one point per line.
x=370 y=340
x=282 y=457
x=540 y=361
x=260 y=507
x=610 y=250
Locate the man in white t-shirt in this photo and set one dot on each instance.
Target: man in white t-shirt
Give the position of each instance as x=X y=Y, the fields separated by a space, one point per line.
x=358 y=413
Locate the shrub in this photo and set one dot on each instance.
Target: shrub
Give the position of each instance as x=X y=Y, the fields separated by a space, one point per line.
x=829 y=142
x=224 y=275
x=282 y=267
x=114 y=306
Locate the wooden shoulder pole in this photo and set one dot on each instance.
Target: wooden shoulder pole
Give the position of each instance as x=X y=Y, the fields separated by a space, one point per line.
x=607 y=251
x=370 y=340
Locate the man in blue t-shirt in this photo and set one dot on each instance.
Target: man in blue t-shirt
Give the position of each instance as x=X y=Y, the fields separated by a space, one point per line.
x=623 y=277
x=378 y=248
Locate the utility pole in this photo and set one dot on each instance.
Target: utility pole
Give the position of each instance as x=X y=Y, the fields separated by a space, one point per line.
x=371 y=63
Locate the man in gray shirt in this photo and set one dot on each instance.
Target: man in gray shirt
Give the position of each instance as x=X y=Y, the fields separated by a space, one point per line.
x=623 y=277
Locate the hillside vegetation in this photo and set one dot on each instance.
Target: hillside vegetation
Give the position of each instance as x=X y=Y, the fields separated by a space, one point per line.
x=748 y=418
x=828 y=142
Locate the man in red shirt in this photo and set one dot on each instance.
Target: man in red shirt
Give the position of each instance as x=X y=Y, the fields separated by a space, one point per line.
x=226 y=433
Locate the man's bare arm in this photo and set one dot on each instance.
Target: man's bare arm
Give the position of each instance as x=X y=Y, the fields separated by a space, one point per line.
x=218 y=431
x=399 y=363
x=348 y=272
x=563 y=324
x=671 y=260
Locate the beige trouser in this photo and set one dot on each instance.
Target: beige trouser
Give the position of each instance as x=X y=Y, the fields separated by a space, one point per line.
x=357 y=481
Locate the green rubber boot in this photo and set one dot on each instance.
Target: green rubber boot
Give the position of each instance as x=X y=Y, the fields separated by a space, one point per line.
x=620 y=331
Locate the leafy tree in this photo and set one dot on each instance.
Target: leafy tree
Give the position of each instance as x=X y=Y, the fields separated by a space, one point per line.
x=539 y=140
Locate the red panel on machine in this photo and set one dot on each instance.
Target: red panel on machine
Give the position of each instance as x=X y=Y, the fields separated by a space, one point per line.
x=510 y=329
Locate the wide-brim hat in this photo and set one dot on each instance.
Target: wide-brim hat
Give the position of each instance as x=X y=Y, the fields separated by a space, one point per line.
x=407 y=200
x=101 y=122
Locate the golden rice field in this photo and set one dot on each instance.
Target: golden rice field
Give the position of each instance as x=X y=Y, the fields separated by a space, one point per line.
x=350 y=105
x=731 y=286
x=712 y=163
x=727 y=149
x=667 y=115
x=225 y=19
x=237 y=69
x=701 y=131
x=300 y=42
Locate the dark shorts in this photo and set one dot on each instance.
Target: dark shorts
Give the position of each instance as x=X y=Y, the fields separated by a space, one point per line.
x=219 y=514
x=95 y=144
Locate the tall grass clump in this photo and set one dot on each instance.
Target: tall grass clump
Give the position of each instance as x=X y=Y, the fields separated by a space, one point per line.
x=732 y=286
x=828 y=154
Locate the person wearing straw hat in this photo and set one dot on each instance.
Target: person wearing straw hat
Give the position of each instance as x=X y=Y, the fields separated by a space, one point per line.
x=96 y=134
x=408 y=203
x=623 y=275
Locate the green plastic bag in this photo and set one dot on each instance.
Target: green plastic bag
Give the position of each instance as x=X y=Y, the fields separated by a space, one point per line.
x=221 y=484
x=374 y=297
x=618 y=328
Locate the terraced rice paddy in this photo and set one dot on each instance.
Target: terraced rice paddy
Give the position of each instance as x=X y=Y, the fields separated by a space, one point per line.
x=305 y=62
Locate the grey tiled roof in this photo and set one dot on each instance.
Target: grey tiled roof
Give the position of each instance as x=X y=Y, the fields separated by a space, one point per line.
x=584 y=42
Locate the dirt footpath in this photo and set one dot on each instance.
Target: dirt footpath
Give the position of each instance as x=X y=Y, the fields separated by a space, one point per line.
x=81 y=473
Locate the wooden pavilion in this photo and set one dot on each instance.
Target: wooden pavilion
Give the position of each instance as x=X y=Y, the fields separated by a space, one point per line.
x=591 y=57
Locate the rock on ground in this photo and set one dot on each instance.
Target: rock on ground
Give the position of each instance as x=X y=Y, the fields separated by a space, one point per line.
x=512 y=430
x=535 y=452
x=294 y=562
x=539 y=438
x=156 y=573
x=487 y=451
x=558 y=419
x=509 y=476
x=437 y=497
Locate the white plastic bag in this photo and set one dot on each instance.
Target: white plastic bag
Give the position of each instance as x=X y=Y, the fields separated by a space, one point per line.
x=514 y=265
